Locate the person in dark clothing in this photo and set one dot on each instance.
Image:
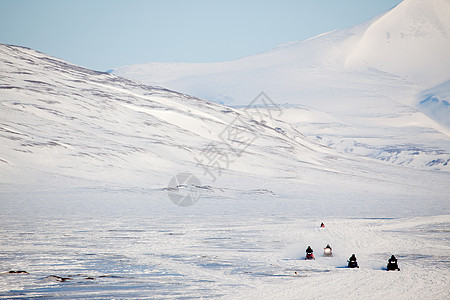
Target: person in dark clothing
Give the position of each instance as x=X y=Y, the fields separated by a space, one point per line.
x=392 y=260
x=392 y=264
x=322 y=225
x=309 y=250
x=352 y=262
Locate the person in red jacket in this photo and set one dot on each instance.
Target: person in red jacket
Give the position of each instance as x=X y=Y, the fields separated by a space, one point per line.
x=309 y=253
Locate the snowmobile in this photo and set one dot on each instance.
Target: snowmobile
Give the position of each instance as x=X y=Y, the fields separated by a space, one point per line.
x=327 y=251
x=392 y=264
x=352 y=262
x=322 y=225
x=309 y=256
x=309 y=253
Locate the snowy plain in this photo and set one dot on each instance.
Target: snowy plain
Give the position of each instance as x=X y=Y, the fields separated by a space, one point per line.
x=244 y=251
x=86 y=159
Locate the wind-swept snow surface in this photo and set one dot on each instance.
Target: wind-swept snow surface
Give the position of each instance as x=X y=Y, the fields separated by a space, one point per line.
x=87 y=157
x=129 y=251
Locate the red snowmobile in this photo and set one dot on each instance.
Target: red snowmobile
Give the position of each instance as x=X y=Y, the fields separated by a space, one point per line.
x=309 y=256
x=309 y=253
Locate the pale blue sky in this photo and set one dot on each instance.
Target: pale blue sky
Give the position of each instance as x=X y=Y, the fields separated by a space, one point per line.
x=102 y=34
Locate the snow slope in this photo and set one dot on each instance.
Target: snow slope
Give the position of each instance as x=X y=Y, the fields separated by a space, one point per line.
x=411 y=41
x=436 y=103
x=60 y=119
x=396 y=55
x=64 y=123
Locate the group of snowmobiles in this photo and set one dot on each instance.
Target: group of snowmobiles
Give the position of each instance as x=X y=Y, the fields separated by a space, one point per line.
x=327 y=252
x=352 y=262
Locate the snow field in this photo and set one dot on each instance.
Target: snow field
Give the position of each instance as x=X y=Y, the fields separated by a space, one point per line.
x=156 y=255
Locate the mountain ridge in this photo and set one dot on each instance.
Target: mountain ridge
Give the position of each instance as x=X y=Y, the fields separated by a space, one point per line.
x=65 y=128
x=320 y=72
x=61 y=119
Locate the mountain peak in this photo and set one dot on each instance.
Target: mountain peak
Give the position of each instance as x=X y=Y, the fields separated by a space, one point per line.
x=412 y=41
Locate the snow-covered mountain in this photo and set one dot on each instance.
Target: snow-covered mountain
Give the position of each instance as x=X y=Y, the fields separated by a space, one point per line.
x=64 y=127
x=411 y=41
x=394 y=56
x=64 y=121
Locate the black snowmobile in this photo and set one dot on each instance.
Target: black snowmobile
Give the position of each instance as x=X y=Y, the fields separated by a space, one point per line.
x=392 y=264
x=352 y=262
